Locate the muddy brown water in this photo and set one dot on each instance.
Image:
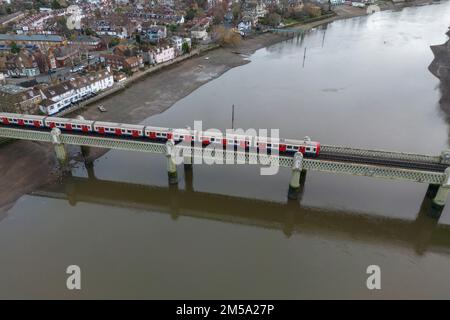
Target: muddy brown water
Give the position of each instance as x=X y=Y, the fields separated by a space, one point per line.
x=228 y=232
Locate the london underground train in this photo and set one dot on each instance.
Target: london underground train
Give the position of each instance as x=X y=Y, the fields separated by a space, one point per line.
x=306 y=146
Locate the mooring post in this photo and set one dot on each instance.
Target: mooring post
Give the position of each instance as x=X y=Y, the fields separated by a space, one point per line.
x=171 y=166
x=442 y=193
x=294 y=185
x=60 y=149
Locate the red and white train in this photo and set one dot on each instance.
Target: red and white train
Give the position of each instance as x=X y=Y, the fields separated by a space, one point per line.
x=157 y=134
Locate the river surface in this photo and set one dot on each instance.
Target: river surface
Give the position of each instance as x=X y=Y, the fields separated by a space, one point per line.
x=228 y=232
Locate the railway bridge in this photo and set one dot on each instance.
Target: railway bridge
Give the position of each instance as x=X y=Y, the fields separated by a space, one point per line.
x=433 y=170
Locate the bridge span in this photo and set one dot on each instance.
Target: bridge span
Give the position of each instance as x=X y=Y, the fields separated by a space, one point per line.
x=433 y=170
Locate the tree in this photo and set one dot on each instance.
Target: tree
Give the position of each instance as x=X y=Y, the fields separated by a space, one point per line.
x=138 y=38
x=190 y=14
x=218 y=14
x=226 y=37
x=15 y=48
x=55 y=5
x=89 y=32
x=173 y=27
x=61 y=23
x=272 y=19
x=312 y=10
x=114 y=42
x=185 y=47
x=236 y=10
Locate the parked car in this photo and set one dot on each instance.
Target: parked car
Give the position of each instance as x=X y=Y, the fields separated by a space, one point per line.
x=77 y=69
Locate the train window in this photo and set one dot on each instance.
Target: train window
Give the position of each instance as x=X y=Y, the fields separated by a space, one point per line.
x=164 y=134
x=269 y=145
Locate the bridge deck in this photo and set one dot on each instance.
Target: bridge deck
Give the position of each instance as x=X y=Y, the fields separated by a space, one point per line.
x=373 y=163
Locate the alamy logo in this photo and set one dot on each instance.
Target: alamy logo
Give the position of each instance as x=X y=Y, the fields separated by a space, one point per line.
x=232 y=147
x=374 y=280
x=74 y=280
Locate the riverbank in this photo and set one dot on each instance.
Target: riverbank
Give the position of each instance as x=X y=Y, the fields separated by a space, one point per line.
x=27 y=164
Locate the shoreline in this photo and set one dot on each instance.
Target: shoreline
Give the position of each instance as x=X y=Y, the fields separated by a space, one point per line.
x=29 y=164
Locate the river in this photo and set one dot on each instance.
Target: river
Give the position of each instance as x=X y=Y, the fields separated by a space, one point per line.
x=228 y=232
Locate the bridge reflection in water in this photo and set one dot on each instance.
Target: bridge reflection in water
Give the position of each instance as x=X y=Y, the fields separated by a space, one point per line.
x=424 y=234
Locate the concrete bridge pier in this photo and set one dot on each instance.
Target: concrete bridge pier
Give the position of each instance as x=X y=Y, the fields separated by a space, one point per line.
x=171 y=165
x=297 y=169
x=60 y=148
x=85 y=150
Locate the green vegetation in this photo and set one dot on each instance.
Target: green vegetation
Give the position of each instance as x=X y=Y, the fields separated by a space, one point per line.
x=173 y=27
x=272 y=19
x=15 y=48
x=190 y=14
x=128 y=72
x=56 y=5
x=185 y=48
x=114 y=42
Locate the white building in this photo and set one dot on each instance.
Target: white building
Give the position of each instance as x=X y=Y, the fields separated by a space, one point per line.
x=73 y=9
x=199 y=33
x=178 y=43
x=57 y=97
x=161 y=55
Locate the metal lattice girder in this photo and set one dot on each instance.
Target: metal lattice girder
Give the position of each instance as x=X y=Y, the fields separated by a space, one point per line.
x=327 y=166
x=374 y=171
x=34 y=135
x=380 y=154
x=113 y=143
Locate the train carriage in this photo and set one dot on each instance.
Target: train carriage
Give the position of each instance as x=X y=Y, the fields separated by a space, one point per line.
x=119 y=129
x=158 y=134
x=22 y=120
x=69 y=124
x=305 y=146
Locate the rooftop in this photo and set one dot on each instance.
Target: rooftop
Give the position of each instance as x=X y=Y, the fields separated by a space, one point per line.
x=33 y=37
x=12 y=89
